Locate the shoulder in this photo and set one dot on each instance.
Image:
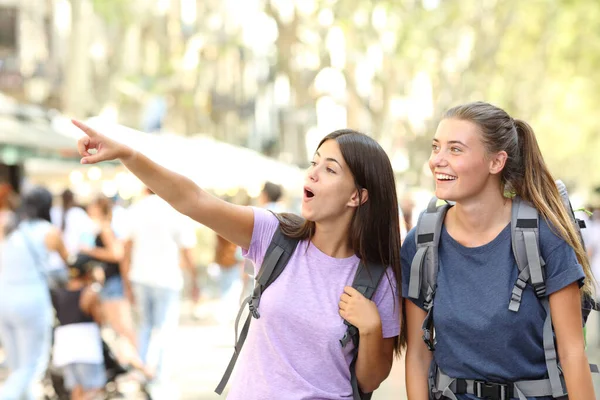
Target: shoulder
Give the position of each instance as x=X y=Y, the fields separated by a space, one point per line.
x=562 y=266
x=265 y=219
x=409 y=245
x=549 y=238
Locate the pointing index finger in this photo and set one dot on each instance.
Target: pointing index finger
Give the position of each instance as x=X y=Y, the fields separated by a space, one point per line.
x=86 y=129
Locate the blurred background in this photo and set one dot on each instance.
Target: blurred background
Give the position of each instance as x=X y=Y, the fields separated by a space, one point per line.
x=236 y=93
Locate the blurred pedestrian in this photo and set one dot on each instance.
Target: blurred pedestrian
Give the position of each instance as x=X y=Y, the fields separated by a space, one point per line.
x=25 y=305
x=77 y=348
x=75 y=226
x=106 y=248
x=270 y=197
x=157 y=241
x=350 y=209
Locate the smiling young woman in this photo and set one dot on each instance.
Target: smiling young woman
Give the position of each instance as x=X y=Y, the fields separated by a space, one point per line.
x=481 y=158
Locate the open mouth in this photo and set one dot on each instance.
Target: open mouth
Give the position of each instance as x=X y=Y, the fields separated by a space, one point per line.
x=308 y=193
x=445 y=177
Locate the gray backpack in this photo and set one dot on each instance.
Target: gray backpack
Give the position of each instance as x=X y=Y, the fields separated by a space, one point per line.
x=276 y=258
x=525 y=247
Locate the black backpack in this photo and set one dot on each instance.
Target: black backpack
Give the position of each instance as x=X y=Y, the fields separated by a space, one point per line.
x=276 y=258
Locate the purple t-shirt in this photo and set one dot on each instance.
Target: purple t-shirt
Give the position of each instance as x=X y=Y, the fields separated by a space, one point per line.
x=293 y=349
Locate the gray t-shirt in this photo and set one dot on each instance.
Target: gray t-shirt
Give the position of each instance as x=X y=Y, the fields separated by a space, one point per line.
x=477 y=336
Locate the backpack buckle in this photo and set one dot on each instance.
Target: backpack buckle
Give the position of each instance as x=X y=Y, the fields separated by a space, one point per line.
x=427 y=338
x=253 y=307
x=492 y=391
x=540 y=289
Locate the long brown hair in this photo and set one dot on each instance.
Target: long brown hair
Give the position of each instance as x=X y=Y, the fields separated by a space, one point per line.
x=525 y=173
x=374 y=232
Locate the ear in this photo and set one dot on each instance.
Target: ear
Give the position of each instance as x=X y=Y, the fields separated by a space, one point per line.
x=498 y=162
x=355 y=201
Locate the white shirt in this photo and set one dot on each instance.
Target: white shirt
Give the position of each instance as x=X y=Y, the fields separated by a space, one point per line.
x=77 y=343
x=77 y=225
x=158 y=233
x=78 y=228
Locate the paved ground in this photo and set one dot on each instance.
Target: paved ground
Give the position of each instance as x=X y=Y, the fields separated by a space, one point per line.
x=202 y=351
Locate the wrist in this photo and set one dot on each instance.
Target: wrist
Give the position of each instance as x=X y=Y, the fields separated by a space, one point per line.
x=371 y=330
x=128 y=154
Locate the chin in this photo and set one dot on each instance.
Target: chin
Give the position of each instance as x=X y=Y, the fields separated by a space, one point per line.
x=444 y=195
x=305 y=213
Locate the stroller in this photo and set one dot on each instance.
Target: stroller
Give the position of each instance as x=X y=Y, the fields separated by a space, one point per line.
x=53 y=383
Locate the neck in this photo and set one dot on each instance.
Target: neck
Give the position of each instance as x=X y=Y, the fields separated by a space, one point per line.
x=332 y=239
x=486 y=211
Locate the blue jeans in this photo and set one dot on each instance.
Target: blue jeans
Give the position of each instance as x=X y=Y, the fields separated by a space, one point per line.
x=26 y=334
x=88 y=376
x=113 y=289
x=158 y=310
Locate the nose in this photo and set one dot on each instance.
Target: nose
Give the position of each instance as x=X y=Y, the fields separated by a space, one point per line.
x=312 y=174
x=437 y=159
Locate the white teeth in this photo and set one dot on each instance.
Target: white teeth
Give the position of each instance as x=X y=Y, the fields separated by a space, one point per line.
x=445 y=177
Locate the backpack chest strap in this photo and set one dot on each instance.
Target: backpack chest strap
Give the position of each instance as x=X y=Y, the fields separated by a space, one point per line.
x=449 y=387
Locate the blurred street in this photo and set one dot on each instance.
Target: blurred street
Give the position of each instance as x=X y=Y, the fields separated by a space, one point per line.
x=203 y=347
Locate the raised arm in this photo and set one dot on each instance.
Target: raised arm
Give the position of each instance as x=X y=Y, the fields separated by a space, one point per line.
x=233 y=222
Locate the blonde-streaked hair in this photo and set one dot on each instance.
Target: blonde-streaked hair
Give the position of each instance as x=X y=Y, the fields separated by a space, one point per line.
x=525 y=173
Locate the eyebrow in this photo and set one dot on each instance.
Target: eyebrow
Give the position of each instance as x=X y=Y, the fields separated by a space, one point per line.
x=452 y=142
x=330 y=159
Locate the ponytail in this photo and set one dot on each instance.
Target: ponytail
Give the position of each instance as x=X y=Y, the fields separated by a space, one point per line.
x=537 y=186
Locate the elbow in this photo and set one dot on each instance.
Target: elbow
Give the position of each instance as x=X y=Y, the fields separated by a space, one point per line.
x=373 y=382
x=574 y=355
x=187 y=200
x=369 y=387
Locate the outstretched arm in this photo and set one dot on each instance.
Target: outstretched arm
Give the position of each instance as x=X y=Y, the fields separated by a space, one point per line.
x=233 y=222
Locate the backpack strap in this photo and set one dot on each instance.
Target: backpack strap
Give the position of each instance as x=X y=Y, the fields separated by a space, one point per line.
x=578 y=223
x=525 y=246
x=276 y=258
x=366 y=281
x=424 y=267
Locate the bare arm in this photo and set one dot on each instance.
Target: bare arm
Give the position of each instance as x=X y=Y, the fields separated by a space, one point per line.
x=375 y=358
x=125 y=267
x=54 y=242
x=235 y=223
x=187 y=261
x=565 y=308
x=418 y=356
x=375 y=354
x=90 y=304
x=111 y=252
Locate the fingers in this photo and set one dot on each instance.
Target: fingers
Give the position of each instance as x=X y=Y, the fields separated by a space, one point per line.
x=86 y=129
x=92 y=159
x=82 y=146
x=345 y=298
x=350 y=291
